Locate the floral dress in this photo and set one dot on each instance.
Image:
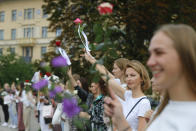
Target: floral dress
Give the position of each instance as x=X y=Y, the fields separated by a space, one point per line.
x=96 y=112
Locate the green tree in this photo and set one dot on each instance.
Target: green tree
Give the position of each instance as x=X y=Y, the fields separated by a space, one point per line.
x=13 y=67
x=125 y=33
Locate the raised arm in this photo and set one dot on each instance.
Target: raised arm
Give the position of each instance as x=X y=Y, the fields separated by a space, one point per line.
x=112 y=83
x=116 y=87
x=99 y=67
x=72 y=80
x=81 y=92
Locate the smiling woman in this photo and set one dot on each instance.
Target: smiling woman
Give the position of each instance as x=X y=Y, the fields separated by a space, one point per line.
x=173 y=62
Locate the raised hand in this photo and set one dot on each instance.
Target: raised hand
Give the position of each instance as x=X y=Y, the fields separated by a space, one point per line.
x=89 y=58
x=113 y=109
x=69 y=72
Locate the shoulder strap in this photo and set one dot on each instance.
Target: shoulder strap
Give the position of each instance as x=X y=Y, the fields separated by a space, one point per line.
x=135 y=106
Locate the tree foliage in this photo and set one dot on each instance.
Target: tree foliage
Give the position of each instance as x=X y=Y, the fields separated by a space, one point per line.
x=125 y=33
x=13 y=67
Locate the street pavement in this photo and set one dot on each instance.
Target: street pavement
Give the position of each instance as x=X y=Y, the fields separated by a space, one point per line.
x=33 y=127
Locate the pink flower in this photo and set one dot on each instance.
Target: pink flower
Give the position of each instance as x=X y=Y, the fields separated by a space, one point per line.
x=105 y=8
x=76 y=21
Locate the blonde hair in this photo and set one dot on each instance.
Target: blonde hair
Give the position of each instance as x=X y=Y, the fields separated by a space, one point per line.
x=140 y=68
x=76 y=77
x=184 y=42
x=121 y=63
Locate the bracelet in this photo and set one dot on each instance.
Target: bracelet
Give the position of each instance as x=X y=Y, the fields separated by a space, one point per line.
x=126 y=129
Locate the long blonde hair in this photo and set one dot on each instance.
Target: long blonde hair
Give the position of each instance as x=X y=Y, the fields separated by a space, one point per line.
x=184 y=41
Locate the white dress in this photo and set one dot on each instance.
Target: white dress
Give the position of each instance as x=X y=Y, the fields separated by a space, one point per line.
x=44 y=127
x=177 y=116
x=139 y=111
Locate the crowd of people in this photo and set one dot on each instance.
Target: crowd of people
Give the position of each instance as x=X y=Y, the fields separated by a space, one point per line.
x=118 y=101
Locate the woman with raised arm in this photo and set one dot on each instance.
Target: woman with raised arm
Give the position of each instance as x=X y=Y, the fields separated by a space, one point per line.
x=118 y=71
x=136 y=103
x=172 y=61
x=82 y=88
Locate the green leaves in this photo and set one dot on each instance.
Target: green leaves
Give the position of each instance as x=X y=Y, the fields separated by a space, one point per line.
x=13 y=67
x=98 y=31
x=100 y=46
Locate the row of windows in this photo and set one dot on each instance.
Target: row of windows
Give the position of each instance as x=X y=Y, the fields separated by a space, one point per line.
x=12 y=50
x=27 y=51
x=29 y=33
x=28 y=14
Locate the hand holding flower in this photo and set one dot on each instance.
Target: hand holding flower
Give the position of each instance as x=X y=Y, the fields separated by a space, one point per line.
x=89 y=58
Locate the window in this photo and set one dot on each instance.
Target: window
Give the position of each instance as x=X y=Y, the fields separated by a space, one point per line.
x=13 y=34
x=44 y=14
x=14 y=15
x=43 y=51
x=58 y=31
x=2 y=16
x=27 y=54
x=1 y=51
x=44 y=32
x=1 y=34
x=28 y=32
x=12 y=50
x=29 y=13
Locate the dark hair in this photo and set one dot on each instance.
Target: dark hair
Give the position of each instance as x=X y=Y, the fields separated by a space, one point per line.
x=104 y=89
x=84 y=83
x=21 y=88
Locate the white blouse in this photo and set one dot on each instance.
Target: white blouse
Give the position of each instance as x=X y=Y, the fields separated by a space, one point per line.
x=139 y=111
x=176 y=116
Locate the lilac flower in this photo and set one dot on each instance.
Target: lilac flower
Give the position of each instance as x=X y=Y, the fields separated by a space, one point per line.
x=59 y=61
x=70 y=107
x=40 y=84
x=58 y=89
x=52 y=94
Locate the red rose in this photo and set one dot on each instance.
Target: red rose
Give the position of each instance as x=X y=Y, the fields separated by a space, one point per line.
x=105 y=8
x=76 y=21
x=26 y=80
x=58 y=43
x=48 y=74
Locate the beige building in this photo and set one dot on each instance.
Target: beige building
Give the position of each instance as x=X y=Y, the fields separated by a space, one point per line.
x=24 y=28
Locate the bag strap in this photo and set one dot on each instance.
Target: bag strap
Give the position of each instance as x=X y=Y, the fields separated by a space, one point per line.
x=135 y=106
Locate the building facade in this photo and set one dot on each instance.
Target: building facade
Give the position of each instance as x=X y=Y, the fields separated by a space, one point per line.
x=24 y=29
